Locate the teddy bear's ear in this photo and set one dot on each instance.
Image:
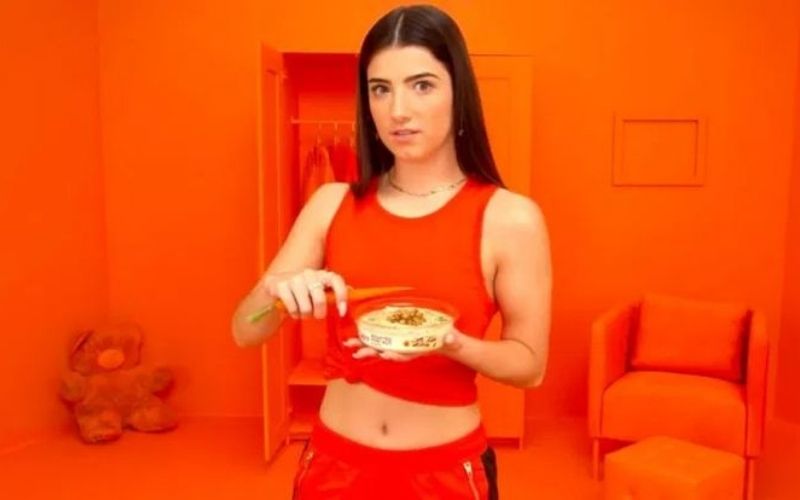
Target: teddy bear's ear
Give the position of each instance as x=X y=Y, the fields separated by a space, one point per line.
x=82 y=338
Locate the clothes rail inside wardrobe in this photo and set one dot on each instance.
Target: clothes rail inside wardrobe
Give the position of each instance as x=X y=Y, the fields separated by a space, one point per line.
x=297 y=121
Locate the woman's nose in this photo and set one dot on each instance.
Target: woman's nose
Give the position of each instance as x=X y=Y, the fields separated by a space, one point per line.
x=399 y=107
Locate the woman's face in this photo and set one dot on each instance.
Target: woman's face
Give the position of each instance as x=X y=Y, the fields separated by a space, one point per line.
x=411 y=101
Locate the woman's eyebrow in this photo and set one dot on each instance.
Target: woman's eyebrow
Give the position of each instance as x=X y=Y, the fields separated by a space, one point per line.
x=410 y=78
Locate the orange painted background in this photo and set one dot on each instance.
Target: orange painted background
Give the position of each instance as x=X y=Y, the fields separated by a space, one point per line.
x=131 y=190
x=53 y=270
x=789 y=347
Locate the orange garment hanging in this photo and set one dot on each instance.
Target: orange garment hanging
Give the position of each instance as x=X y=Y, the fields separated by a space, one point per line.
x=345 y=162
x=318 y=170
x=350 y=169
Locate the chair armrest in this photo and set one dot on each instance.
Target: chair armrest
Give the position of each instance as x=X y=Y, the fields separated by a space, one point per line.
x=608 y=356
x=756 y=383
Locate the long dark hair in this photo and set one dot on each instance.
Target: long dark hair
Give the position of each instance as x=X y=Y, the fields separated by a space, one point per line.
x=429 y=27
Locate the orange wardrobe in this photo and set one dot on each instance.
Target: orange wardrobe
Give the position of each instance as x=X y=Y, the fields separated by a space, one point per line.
x=308 y=99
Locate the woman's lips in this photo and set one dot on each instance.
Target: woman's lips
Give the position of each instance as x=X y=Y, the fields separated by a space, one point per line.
x=404 y=135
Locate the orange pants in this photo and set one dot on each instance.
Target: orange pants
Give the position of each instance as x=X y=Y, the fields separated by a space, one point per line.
x=332 y=467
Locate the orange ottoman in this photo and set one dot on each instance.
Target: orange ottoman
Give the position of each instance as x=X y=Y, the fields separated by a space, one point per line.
x=665 y=468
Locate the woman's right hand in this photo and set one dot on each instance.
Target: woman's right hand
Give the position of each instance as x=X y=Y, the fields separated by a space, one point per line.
x=303 y=293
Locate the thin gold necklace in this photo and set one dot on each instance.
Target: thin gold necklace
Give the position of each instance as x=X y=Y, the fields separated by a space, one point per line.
x=428 y=193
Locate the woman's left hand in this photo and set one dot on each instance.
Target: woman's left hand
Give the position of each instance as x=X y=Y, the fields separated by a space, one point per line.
x=452 y=343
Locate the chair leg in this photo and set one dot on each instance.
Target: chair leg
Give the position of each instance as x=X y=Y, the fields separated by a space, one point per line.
x=750 y=478
x=596 y=459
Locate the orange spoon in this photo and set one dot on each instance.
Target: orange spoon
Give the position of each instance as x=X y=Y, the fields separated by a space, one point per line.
x=353 y=294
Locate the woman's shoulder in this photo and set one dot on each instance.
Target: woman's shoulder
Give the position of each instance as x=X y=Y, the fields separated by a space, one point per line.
x=330 y=193
x=509 y=213
x=325 y=202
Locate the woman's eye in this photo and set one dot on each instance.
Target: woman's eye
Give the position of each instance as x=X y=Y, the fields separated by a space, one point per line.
x=424 y=85
x=378 y=89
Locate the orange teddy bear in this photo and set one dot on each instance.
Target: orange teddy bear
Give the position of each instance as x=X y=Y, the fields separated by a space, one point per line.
x=108 y=390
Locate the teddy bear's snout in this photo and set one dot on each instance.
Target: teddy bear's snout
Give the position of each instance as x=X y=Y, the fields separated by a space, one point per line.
x=110 y=359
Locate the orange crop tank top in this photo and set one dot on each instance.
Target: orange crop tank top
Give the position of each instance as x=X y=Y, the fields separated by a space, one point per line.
x=439 y=255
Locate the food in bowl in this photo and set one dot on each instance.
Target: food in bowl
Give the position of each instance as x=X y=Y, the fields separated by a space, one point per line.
x=405 y=325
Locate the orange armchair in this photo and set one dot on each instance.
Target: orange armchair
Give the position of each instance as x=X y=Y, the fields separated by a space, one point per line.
x=682 y=368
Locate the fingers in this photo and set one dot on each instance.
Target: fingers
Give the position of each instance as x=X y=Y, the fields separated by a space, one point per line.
x=387 y=355
x=316 y=290
x=303 y=293
x=396 y=356
x=339 y=287
x=363 y=351
x=353 y=342
x=366 y=351
x=283 y=292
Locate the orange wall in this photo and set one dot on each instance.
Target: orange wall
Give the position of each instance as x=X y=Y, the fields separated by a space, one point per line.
x=789 y=360
x=724 y=240
x=53 y=275
x=178 y=145
x=178 y=85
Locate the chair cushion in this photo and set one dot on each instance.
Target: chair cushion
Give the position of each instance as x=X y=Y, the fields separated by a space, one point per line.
x=667 y=468
x=704 y=410
x=686 y=336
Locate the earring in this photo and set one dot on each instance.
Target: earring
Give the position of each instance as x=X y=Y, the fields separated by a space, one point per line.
x=460 y=132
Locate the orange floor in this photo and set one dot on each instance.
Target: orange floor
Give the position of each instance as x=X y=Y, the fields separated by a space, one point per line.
x=221 y=458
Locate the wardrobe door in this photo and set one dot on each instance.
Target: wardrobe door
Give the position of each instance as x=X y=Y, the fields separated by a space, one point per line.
x=505 y=85
x=274 y=208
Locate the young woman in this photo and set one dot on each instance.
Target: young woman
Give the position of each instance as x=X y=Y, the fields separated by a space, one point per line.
x=429 y=211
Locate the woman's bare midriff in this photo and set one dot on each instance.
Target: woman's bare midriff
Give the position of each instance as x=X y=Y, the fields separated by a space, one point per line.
x=372 y=418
